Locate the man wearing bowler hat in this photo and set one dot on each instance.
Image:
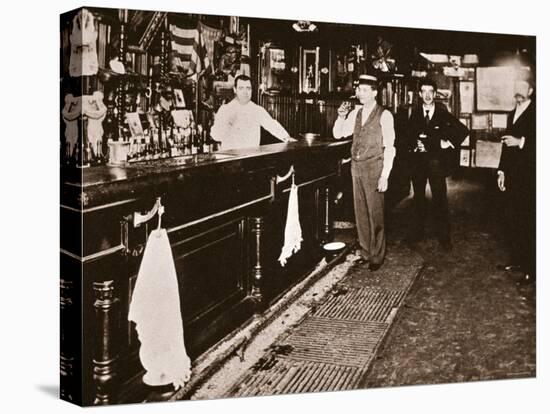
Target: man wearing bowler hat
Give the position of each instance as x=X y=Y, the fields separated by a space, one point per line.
x=434 y=138
x=372 y=154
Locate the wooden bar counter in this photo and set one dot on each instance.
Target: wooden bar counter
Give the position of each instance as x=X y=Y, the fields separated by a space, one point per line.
x=225 y=217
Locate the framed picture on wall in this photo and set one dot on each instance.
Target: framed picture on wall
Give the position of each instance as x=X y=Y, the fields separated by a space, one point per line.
x=309 y=70
x=480 y=121
x=495 y=88
x=466 y=97
x=134 y=124
x=179 y=99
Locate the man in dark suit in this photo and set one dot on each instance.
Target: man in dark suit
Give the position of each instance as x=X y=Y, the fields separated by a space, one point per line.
x=434 y=140
x=517 y=179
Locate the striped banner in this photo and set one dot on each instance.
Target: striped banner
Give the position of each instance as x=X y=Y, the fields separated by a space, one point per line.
x=209 y=36
x=189 y=51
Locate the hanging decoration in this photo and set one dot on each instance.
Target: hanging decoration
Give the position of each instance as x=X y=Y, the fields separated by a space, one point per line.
x=382 y=59
x=83 y=61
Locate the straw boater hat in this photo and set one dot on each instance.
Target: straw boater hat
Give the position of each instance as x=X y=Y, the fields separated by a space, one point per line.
x=367 y=80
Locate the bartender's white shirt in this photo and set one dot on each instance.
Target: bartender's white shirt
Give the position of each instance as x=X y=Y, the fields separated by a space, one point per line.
x=344 y=128
x=238 y=126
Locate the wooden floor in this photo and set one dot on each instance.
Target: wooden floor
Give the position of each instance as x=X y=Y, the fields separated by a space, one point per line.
x=464 y=320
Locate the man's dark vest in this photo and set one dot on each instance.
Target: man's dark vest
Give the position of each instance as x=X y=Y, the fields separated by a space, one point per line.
x=367 y=139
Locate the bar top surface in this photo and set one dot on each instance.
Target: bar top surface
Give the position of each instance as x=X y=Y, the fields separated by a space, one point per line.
x=99 y=175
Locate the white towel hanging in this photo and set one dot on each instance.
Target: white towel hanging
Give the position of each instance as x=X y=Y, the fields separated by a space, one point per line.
x=293 y=230
x=155 y=308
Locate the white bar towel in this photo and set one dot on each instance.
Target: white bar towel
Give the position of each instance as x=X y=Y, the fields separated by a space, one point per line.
x=155 y=308
x=293 y=231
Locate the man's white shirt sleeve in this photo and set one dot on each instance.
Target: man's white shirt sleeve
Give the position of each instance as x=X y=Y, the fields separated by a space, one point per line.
x=221 y=123
x=388 y=140
x=271 y=124
x=344 y=127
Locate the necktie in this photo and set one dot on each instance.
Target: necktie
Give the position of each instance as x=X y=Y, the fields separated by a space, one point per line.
x=427 y=117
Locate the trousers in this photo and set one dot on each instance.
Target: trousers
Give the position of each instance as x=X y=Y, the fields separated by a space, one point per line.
x=369 y=208
x=430 y=170
x=520 y=228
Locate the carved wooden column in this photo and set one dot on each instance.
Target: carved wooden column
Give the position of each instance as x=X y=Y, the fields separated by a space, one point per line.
x=163 y=74
x=327 y=225
x=257 y=232
x=67 y=342
x=109 y=125
x=106 y=354
x=163 y=54
x=121 y=93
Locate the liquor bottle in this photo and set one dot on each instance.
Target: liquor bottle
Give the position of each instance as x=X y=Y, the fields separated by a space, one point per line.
x=148 y=152
x=171 y=145
x=181 y=139
x=198 y=140
x=155 y=143
x=163 y=143
x=87 y=155
x=76 y=156
x=172 y=141
x=140 y=153
x=99 y=158
x=193 y=138
x=186 y=141
x=203 y=139
x=212 y=143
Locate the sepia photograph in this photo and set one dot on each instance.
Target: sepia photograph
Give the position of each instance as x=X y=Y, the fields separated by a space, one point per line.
x=280 y=207
x=326 y=222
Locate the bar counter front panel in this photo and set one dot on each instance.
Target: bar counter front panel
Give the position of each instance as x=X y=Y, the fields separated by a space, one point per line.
x=225 y=216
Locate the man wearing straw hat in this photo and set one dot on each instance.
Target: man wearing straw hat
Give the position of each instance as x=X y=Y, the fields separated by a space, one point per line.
x=372 y=154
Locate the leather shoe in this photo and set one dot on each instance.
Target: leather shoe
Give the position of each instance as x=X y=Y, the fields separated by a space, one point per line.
x=373 y=267
x=526 y=279
x=360 y=261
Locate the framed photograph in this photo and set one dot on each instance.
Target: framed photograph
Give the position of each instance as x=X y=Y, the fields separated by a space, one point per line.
x=277 y=59
x=134 y=124
x=309 y=70
x=466 y=97
x=179 y=100
x=495 y=87
x=213 y=257
x=480 y=121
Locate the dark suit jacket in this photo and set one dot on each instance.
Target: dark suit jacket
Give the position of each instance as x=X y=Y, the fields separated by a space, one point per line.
x=519 y=164
x=443 y=125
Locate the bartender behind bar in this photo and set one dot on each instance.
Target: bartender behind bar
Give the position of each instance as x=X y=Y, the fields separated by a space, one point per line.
x=237 y=123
